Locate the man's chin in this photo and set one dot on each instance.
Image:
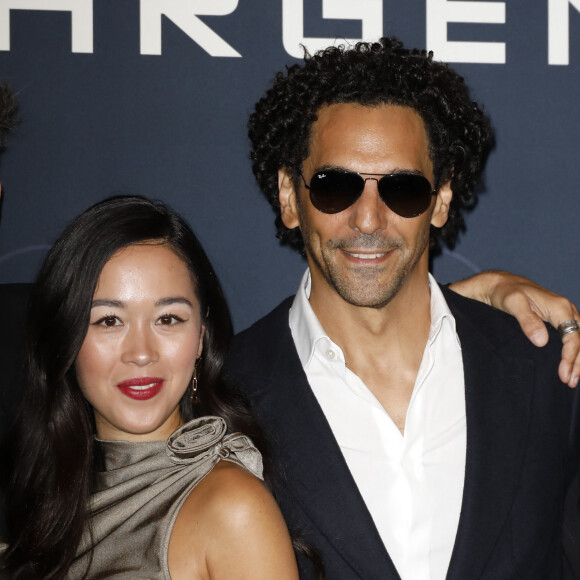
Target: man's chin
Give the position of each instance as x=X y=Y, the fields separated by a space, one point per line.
x=376 y=297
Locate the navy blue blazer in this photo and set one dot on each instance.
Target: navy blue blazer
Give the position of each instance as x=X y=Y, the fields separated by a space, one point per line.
x=517 y=467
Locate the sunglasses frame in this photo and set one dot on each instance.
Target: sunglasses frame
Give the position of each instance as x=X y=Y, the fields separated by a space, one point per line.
x=364 y=180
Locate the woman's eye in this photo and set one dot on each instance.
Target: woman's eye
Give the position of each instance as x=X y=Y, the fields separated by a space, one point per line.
x=108 y=321
x=169 y=319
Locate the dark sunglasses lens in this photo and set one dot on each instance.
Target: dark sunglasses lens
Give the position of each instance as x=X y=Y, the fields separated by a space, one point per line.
x=333 y=191
x=407 y=195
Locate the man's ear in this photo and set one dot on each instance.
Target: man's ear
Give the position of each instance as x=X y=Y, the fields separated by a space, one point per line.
x=442 y=203
x=288 y=202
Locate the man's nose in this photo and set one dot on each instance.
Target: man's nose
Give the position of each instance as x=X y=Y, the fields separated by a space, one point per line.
x=369 y=213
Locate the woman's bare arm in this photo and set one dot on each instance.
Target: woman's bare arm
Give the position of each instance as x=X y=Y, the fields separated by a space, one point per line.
x=230 y=528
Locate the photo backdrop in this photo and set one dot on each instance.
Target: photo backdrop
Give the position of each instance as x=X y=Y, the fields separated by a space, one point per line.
x=152 y=97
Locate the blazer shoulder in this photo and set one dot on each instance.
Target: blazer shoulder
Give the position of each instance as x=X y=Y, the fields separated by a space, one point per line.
x=254 y=346
x=477 y=311
x=501 y=330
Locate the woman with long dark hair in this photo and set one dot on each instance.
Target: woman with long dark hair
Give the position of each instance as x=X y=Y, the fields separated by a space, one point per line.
x=129 y=333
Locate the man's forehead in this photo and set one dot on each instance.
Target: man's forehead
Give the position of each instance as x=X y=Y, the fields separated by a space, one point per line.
x=354 y=133
x=383 y=113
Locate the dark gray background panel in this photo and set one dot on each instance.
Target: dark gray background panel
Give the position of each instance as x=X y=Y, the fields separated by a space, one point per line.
x=173 y=126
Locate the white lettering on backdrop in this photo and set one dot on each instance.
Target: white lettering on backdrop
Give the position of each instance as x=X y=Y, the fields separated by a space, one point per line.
x=369 y=12
x=440 y=12
x=81 y=19
x=185 y=15
x=559 y=30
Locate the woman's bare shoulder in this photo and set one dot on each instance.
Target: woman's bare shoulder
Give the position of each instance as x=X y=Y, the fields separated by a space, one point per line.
x=230 y=527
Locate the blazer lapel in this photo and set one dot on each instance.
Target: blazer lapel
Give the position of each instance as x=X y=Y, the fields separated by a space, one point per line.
x=311 y=466
x=498 y=397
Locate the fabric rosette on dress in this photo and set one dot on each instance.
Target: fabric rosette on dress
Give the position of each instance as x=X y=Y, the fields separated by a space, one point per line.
x=209 y=440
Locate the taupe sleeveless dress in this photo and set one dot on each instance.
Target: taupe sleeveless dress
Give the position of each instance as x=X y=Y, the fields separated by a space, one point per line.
x=141 y=490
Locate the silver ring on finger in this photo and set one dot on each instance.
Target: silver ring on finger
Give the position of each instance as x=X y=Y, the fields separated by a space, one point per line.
x=568 y=327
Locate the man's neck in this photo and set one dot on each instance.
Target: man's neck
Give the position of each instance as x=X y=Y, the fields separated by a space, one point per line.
x=383 y=346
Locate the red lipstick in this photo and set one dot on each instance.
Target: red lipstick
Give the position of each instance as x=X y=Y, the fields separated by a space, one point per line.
x=141 y=388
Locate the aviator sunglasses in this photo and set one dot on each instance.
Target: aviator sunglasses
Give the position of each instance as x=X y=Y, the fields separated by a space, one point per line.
x=334 y=190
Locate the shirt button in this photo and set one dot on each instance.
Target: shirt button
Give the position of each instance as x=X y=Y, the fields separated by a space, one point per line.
x=330 y=354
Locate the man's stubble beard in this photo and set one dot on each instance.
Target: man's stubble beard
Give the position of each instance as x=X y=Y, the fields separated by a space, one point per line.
x=364 y=287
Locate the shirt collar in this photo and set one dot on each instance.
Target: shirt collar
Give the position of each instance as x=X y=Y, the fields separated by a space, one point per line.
x=439 y=312
x=307 y=330
x=305 y=327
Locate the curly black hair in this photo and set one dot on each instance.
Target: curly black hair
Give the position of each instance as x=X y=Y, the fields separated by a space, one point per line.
x=8 y=112
x=371 y=74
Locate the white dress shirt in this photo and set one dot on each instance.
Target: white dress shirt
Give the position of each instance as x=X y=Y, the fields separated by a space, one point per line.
x=412 y=484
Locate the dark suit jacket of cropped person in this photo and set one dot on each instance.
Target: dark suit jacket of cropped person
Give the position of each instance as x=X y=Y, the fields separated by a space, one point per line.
x=13 y=307
x=517 y=468
x=517 y=415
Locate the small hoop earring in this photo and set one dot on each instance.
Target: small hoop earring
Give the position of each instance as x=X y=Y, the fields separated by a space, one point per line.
x=193 y=396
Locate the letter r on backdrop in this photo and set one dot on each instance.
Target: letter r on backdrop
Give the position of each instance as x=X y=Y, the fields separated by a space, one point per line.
x=184 y=14
x=369 y=12
x=81 y=19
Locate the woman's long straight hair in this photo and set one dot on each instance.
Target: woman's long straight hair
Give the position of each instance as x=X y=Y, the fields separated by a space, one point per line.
x=49 y=448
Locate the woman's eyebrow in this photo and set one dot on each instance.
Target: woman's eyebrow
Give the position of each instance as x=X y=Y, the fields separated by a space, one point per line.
x=107 y=302
x=161 y=302
x=173 y=300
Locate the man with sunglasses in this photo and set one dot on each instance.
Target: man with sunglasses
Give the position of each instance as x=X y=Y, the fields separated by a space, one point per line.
x=415 y=434
x=309 y=459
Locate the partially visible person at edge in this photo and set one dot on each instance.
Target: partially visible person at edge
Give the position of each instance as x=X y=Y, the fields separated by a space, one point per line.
x=416 y=434
x=8 y=114
x=13 y=297
x=130 y=457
